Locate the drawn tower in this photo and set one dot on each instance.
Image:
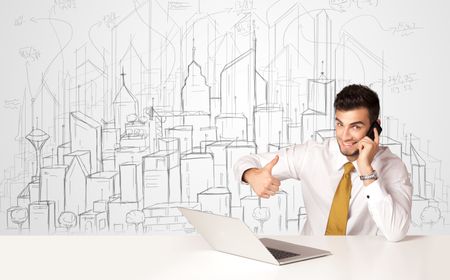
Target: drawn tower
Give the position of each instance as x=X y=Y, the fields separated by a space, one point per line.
x=125 y=104
x=37 y=138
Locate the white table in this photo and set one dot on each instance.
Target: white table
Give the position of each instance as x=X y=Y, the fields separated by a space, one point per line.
x=190 y=257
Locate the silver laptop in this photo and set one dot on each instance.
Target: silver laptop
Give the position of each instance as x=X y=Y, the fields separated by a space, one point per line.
x=232 y=236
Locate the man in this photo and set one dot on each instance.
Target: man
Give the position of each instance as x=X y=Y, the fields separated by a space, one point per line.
x=350 y=184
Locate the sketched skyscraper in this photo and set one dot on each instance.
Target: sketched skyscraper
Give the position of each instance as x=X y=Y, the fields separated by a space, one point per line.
x=317 y=121
x=37 y=138
x=86 y=135
x=195 y=93
x=75 y=187
x=242 y=87
x=322 y=45
x=125 y=104
x=195 y=103
x=42 y=216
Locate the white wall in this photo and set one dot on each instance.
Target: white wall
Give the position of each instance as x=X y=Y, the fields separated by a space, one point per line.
x=65 y=56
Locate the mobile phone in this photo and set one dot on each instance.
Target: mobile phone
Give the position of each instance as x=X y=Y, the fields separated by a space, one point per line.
x=370 y=133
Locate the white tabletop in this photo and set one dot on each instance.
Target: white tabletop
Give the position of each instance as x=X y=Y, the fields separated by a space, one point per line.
x=190 y=257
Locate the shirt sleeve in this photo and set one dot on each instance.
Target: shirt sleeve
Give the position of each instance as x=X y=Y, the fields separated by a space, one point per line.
x=289 y=165
x=390 y=199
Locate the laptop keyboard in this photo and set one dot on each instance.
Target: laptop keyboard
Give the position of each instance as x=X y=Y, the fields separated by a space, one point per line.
x=279 y=254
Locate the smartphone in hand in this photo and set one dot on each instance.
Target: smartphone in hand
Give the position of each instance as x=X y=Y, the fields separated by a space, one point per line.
x=370 y=133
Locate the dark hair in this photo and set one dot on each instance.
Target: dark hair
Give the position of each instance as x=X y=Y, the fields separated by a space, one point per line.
x=358 y=96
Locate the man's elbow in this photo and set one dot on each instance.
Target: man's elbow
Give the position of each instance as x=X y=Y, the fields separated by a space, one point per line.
x=397 y=234
x=395 y=237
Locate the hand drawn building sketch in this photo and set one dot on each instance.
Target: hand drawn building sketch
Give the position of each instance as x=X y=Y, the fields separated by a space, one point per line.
x=126 y=111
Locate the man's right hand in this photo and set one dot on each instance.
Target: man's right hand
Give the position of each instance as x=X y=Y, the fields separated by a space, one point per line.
x=261 y=179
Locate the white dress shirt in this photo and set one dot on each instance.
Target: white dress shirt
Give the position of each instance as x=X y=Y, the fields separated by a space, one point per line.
x=383 y=206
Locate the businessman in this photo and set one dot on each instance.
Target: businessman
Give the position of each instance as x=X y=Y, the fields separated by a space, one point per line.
x=350 y=184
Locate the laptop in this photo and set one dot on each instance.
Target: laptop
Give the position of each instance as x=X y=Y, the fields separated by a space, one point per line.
x=232 y=236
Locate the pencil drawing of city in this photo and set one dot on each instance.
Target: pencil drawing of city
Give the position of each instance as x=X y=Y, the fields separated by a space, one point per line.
x=126 y=111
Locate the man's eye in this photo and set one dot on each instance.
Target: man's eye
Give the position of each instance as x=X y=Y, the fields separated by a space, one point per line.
x=356 y=127
x=338 y=124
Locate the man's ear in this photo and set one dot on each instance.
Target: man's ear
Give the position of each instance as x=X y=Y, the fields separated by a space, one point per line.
x=379 y=122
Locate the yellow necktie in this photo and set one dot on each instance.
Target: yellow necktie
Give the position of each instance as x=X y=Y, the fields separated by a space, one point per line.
x=337 y=220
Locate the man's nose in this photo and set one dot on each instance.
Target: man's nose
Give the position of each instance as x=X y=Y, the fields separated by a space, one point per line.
x=346 y=135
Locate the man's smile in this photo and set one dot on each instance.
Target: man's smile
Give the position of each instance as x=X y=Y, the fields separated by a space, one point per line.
x=349 y=144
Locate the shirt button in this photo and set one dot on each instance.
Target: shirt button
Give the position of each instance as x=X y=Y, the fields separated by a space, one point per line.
x=368 y=196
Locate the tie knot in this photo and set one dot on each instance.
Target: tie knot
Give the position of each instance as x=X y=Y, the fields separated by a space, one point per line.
x=348 y=167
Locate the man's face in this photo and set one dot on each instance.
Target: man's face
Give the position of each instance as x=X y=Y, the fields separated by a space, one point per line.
x=351 y=127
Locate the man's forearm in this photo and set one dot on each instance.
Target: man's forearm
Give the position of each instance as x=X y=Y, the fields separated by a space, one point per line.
x=392 y=214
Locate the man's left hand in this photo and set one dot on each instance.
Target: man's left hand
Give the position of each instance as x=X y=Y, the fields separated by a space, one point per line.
x=367 y=151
